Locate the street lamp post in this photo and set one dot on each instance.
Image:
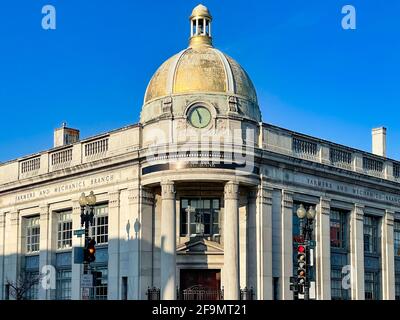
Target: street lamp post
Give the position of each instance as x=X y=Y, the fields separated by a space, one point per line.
x=306 y=230
x=87 y=204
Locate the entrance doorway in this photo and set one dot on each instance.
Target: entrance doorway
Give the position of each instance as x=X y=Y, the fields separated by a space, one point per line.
x=200 y=284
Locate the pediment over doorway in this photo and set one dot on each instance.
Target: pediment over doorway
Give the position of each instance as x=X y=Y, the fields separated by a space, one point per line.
x=200 y=246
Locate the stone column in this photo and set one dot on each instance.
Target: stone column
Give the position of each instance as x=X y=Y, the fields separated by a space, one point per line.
x=45 y=254
x=388 y=273
x=2 y=248
x=231 y=241
x=144 y=226
x=357 y=252
x=77 y=269
x=133 y=243
x=252 y=241
x=323 y=250
x=264 y=242
x=168 y=241
x=12 y=247
x=287 y=244
x=113 y=245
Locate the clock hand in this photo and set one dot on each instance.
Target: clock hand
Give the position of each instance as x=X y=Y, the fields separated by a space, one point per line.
x=198 y=115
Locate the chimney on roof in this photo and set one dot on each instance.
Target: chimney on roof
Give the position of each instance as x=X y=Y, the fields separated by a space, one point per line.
x=379 y=141
x=64 y=135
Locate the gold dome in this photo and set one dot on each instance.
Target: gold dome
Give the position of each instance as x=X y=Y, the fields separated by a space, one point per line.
x=200 y=69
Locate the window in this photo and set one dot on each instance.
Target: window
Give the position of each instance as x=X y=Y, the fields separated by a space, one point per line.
x=338 y=224
x=370 y=234
x=63 y=284
x=371 y=286
x=397 y=238
x=336 y=285
x=100 y=227
x=397 y=286
x=339 y=253
x=32 y=234
x=190 y=210
x=32 y=282
x=64 y=240
x=100 y=291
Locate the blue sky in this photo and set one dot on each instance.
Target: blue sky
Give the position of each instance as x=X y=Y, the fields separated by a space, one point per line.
x=311 y=75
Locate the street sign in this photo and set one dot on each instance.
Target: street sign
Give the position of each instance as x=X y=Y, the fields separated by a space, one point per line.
x=87 y=281
x=311 y=243
x=79 y=232
x=78 y=255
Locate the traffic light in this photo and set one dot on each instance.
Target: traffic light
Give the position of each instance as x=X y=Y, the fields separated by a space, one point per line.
x=293 y=284
x=90 y=250
x=301 y=267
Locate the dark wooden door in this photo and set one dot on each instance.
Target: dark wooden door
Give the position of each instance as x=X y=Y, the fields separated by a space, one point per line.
x=200 y=283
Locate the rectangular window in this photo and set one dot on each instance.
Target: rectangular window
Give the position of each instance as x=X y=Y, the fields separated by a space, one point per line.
x=31 y=282
x=371 y=234
x=371 y=286
x=339 y=252
x=100 y=226
x=396 y=239
x=32 y=234
x=64 y=240
x=397 y=286
x=338 y=228
x=63 y=284
x=101 y=289
x=205 y=211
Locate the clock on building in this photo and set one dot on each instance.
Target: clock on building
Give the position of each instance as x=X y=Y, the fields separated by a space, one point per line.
x=199 y=117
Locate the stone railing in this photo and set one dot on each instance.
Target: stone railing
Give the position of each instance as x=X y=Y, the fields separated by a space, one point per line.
x=115 y=143
x=279 y=140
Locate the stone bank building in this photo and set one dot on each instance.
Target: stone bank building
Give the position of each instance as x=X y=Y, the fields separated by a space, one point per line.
x=202 y=194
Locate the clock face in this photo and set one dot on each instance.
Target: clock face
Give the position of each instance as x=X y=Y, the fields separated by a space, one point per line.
x=199 y=117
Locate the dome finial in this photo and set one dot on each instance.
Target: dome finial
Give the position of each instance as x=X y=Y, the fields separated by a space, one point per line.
x=200 y=27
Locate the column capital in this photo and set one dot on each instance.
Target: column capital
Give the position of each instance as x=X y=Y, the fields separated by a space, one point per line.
x=14 y=217
x=359 y=211
x=325 y=205
x=231 y=190
x=2 y=219
x=114 y=199
x=265 y=194
x=76 y=207
x=141 y=194
x=389 y=217
x=287 y=199
x=167 y=189
x=44 y=211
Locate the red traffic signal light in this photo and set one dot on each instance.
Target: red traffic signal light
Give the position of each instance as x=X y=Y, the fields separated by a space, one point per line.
x=90 y=250
x=301 y=249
